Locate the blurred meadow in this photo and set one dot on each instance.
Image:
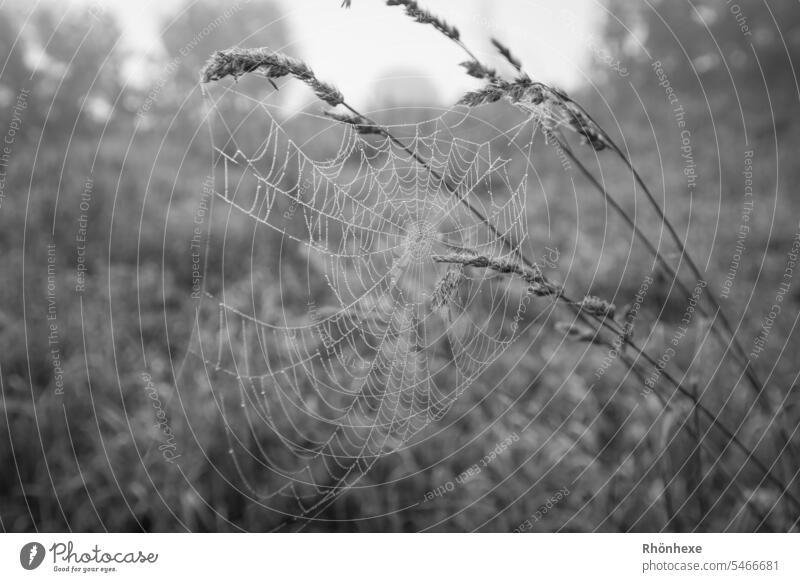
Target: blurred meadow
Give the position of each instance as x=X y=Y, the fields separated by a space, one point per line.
x=110 y=423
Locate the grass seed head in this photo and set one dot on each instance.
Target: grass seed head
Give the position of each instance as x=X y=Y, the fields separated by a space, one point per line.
x=521 y=90
x=506 y=53
x=235 y=62
x=533 y=96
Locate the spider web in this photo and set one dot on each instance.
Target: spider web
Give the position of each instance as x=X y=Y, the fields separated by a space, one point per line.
x=335 y=338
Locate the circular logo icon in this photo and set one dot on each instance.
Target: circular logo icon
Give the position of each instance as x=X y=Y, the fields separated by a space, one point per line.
x=31 y=555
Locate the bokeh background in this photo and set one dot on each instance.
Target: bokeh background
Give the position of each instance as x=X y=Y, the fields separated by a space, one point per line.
x=106 y=152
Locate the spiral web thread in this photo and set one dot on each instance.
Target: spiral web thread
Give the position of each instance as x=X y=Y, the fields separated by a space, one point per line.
x=385 y=339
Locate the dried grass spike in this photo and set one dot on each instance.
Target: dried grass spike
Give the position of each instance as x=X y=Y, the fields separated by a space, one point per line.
x=589 y=131
x=478 y=70
x=328 y=93
x=448 y=286
x=545 y=289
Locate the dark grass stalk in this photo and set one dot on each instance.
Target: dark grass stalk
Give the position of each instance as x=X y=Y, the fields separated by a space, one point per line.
x=696 y=427
x=594 y=135
x=236 y=62
x=599 y=139
x=508 y=242
x=500 y=266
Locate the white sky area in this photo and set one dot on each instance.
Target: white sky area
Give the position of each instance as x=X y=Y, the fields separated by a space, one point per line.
x=363 y=47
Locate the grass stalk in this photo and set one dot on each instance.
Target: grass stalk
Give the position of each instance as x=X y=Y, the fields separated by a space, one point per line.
x=599 y=139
